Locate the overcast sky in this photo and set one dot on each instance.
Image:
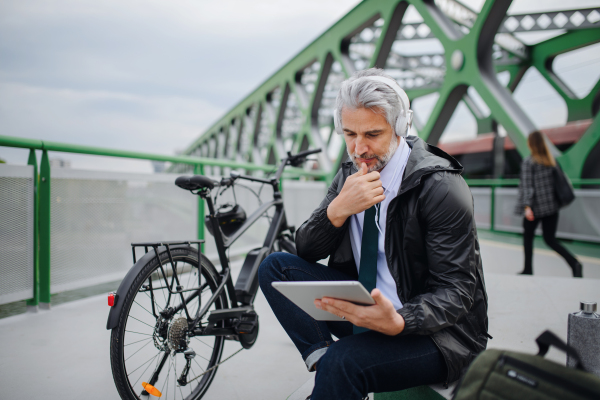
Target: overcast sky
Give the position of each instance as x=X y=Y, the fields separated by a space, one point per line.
x=146 y=75
x=141 y=75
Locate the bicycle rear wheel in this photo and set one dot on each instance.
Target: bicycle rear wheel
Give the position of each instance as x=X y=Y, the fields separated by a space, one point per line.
x=147 y=346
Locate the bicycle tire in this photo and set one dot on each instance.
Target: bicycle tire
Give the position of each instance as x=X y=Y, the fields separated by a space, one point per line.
x=125 y=371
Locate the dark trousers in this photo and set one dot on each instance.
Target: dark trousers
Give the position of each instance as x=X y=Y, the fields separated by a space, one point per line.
x=549 y=225
x=354 y=365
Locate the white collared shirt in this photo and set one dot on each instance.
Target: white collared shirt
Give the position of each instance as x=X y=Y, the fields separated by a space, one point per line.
x=391 y=178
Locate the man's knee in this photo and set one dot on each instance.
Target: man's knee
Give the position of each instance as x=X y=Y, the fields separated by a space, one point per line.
x=271 y=268
x=266 y=269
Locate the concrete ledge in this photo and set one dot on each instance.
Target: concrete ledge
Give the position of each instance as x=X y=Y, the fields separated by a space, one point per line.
x=416 y=393
x=303 y=391
x=431 y=392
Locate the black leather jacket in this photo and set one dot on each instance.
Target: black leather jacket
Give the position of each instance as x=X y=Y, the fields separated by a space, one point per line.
x=431 y=248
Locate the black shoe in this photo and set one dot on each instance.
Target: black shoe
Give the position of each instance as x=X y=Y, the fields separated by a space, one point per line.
x=525 y=273
x=577 y=270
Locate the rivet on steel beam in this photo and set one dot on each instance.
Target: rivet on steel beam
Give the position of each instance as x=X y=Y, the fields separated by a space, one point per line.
x=457 y=60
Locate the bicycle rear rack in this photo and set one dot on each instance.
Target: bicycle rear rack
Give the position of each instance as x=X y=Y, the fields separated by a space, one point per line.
x=156 y=245
x=178 y=288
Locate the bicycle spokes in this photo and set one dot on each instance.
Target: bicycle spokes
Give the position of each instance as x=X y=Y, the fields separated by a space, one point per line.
x=159 y=346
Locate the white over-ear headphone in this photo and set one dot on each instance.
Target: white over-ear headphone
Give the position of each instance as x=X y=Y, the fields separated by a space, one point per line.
x=405 y=118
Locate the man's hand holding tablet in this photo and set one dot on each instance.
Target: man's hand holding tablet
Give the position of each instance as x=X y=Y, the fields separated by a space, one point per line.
x=344 y=300
x=380 y=317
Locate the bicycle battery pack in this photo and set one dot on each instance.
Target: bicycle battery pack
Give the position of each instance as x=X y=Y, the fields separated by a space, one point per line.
x=247 y=282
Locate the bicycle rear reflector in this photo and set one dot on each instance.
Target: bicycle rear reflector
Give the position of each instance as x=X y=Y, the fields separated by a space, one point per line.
x=112 y=299
x=151 y=389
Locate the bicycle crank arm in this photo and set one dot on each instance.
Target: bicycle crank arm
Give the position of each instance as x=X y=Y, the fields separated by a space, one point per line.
x=214 y=332
x=233 y=321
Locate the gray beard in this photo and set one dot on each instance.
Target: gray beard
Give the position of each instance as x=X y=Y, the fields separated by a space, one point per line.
x=381 y=161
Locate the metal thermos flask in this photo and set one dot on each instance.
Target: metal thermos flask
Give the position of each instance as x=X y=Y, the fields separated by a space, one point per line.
x=584 y=336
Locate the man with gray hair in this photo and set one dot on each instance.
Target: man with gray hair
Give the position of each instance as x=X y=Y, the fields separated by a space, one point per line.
x=398 y=217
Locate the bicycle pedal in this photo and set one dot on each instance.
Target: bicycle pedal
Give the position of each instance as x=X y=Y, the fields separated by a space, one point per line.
x=228 y=313
x=229 y=318
x=247 y=324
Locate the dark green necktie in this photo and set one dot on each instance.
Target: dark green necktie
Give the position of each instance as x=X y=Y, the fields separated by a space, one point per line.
x=367 y=275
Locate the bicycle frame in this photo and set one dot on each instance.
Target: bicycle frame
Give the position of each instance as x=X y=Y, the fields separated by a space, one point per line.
x=247 y=279
x=246 y=286
x=241 y=296
x=232 y=316
x=278 y=224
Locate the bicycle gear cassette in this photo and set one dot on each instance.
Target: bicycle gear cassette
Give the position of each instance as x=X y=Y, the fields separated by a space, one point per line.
x=177 y=336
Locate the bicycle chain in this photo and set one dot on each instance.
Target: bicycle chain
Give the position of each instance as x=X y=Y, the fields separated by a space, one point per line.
x=211 y=368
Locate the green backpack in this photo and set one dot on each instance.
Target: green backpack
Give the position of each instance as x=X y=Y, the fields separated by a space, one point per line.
x=499 y=374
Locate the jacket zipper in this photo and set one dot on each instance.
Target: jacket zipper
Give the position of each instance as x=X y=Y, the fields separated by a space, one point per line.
x=445 y=361
x=546 y=376
x=484 y=297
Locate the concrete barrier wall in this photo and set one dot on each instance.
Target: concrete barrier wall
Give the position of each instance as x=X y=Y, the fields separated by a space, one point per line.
x=95 y=216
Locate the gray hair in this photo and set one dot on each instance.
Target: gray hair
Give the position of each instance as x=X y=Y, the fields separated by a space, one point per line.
x=360 y=92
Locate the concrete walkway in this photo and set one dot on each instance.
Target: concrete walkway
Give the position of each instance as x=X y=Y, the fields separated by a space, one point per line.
x=63 y=353
x=507 y=258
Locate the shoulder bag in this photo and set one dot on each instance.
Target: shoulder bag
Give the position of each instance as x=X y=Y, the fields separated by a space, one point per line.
x=562 y=187
x=504 y=375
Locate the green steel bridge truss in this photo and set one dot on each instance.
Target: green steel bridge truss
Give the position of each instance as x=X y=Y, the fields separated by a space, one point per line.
x=293 y=109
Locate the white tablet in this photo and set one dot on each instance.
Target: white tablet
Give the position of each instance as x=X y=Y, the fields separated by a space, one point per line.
x=304 y=294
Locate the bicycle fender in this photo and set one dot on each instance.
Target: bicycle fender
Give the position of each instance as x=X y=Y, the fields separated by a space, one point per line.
x=115 y=310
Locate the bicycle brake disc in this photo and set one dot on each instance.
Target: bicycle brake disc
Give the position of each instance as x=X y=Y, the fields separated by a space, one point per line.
x=160 y=333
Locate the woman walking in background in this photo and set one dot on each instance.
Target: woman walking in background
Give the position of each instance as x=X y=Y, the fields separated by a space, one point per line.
x=538 y=202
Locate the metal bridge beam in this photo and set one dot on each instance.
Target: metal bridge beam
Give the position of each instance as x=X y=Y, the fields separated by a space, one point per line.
x=292 y=110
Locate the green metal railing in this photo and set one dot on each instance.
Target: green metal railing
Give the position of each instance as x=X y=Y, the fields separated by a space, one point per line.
x=42 y=200
x=495 y=183
x=42 y=197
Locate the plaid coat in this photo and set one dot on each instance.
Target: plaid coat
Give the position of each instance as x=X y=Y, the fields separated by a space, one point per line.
x=536 y=189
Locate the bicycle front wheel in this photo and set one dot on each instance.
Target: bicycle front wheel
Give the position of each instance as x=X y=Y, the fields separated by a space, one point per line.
x=151 y=343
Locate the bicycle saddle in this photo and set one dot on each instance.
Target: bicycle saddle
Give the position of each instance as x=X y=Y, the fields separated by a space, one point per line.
x=195 y=182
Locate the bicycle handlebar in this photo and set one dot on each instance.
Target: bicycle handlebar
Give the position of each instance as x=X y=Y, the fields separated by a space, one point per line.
x=294 y=160
x=303 y=153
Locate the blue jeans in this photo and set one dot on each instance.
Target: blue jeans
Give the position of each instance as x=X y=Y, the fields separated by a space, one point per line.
x=354 y=365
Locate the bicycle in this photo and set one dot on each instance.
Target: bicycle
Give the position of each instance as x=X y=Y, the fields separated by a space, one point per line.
x=173 y=311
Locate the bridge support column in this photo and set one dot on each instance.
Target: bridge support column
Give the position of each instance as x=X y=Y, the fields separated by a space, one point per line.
x=44 y=232
x=32 y=304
